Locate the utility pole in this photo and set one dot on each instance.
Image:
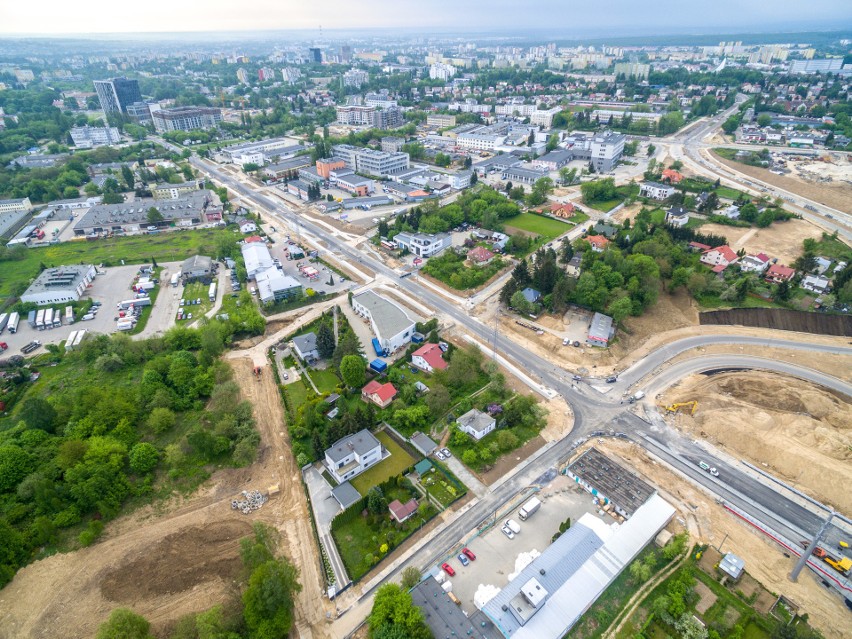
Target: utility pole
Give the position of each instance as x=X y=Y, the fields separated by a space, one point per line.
x=810 y=549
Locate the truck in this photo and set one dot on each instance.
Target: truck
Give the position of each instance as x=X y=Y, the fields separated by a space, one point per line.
x=125 y=324
x=48 y=318
x=14 y=318
x=174 y=280
x=381 y=352
x=635 y=397
x=69 y=343
x=40 y=319
x=29 y=348
x=529 y=508
x=69 y=314
x=57 y=318
x=142 y=301
x=211 y=293
x=31 y=319
x=840 y=563
x=378 y=365
x=707 y=467
x=80 y=335
x=4 y=320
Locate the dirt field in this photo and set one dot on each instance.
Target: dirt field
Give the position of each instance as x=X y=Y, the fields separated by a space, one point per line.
x=796 y=430
x=834 y=194
x=709 y=523
x=182 y=557
x=782 y=240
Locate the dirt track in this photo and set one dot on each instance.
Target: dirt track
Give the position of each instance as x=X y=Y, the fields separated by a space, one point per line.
x=167 y=564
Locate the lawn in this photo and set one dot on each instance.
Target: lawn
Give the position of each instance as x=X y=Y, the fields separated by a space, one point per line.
x=163 y=247
x=390 y=467
x=194 y=291
x=441 y=487
x=728 y=193
x=604 y=206
x=547 y=227
x=325 y=380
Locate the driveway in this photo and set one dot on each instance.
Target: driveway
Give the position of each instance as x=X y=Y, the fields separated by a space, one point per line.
x=163 y=314
x=466 y=477
x=325 y=507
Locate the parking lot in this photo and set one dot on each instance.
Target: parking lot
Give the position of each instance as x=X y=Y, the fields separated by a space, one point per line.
x=497 y=554
x=320 y=283
x=109 y=288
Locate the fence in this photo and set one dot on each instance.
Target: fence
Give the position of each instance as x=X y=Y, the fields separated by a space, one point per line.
x=780 y=319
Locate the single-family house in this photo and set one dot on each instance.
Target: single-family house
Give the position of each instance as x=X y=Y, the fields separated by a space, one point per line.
x=198 y=268
x=722 y=256
x=352 y=455
x=247 y=226
x=476 y=423
x=731 y=212
x=671 y=176
x=601 y=330
x=677 y=216
x=480 y=255
x=816 y=283
x=531 y=295
x=732 y=565
x=423 y=244
x=305 y=347
x=778 y=273
x=400 y=512
x=380 y=394
x=573 y=266
x=656 y=191
x=559 y=209
x=607 y=230
x=429 y=358
x=754 y=263
x=698 y=247
x=822 y=264
x=598 y=242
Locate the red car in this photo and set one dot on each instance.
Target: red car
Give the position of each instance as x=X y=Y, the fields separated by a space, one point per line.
x=469 y=553
x=447 y=568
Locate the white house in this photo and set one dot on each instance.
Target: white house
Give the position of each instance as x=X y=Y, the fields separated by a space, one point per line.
x=719 y=256
x=391 y=325
x=755 y=263
x=247 y=226
x=656 y=191
x=306 y=347
x=476 y=423
x=352 y=455
x=677 y=216
x=423 y=244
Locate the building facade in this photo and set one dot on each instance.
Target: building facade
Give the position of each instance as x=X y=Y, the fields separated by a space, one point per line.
x=186 y=118
x=422 y=244
x=87 y=137
x=607 y=149
x=61 y=284
x=116 y=94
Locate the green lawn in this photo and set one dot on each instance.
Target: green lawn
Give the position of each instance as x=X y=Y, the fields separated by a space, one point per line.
x=390 y=467
x=604 y=206
x=547 y=227
x=326 y=380
x=164 y=247
x=728 y=193
x=440 y=487
x=194 y=291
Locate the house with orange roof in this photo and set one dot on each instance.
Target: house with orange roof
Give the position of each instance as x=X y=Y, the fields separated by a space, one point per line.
x=598 y=242
x=429 y=358
x=380 y=394
x=480 y=255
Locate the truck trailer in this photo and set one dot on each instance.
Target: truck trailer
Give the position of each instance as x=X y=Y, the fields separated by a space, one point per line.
x=174 y=280
x=14 y=318
x=57 y=318
x=212 y=292
x=40 y=319
x=4 y=320
x=529 y=508
x=48 y=318
x=69 y=314
x=142 y=301
x=69 y=343
x=31 y=319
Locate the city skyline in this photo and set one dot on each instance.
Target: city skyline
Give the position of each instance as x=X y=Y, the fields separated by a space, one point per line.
x=622 y=16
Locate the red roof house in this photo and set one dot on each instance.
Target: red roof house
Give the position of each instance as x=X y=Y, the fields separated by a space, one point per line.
x=428 y=358
x=380 y=394
x=253 y=238
x=480 y=255
x=778 y=273
x=672 y=176
x=400 y=512
x=720 y=256
x=598 y=242
x=698 y=246
x=560 y=210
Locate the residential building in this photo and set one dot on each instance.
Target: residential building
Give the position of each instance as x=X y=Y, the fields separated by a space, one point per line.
x=719 y=256
x=573 y=266
x=598 y=242
x=816 y=283
x=531 y=295
x=429 y=358
x=559 y=209
x=371 y=162
x=186 y=118
x=441 y=71
x=440 y=120
x=265 y=74
x=460 y=180
x=607 y=149
x=632 y=70
x=391 y=325
x=607 y=230
x=400 y=512
x=355 y=114
x=352 y=455
x=61 y=284
x=778 y=273
x=544 y=117
x=422 y=244
x=380 y=100
x=355 y=78
x=21 y=204
x=656 y=191
x=352 y=183
x=175 y=191
x=247 y=226
x=733 y=566
x=824 y=65
x=380 y=394
x=601 y=330
x=116 y=94
x=392 y=144
x=305 y=346
x=191 y=209
x=754 y=263
x=242 y=76
x=677 y=216
x=287 y=169
x=476 y=423
x=388 y=118
x=479 y=141
x=197 y=268
x=554 y=160
x=672 y=176
x=480 y=255
x=257 y=258
x=87 y=137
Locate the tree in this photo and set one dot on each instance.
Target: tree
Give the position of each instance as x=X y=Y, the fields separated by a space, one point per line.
x=620 y=309
x=268 y=600
x=376 y=502
x=154 y=215
x=764 y=119
x=325 y=340
x=552 y=142
x=352 y=371
x=125 y=624
x=470 y=458
x=143 y=458
x=395 y=615
x=651 y=150
x=520 y=303
x=410 y=577
x=127 y=175
x=437 y=399
x=161 y=419
x=442 y=159
x=38 y=413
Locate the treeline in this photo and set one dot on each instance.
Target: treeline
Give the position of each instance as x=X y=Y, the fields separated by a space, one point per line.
x=111 y=422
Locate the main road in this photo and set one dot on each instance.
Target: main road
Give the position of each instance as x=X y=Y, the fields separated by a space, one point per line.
x=594 y=412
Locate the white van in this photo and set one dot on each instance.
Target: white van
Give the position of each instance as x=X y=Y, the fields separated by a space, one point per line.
x=252 y=290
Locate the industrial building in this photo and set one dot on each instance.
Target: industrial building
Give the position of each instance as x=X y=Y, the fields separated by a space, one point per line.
x=198 y=268
x=274 y=286
x=61 y=284
x=88 y=137
x=445 y=618
x=193 y=208
x=391 y=325
x=610 y=482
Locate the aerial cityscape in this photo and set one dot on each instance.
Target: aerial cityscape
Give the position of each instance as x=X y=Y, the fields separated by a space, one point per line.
x=405 y=321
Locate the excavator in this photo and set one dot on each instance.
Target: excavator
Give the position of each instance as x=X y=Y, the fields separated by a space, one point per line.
x=840 y=563
x=691 y=406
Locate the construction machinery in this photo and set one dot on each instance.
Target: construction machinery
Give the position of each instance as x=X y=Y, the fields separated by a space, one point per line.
x=841 y=564
x=257 y=373
x=674 y=408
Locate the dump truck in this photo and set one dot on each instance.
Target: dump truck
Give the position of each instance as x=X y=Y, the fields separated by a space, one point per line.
x=529 y=508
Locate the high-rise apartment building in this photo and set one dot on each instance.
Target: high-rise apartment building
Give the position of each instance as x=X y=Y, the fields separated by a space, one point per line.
x=186 y=118
x=114 y=95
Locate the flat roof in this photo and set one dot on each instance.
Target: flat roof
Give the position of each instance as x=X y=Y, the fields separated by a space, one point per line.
x=360 y=443
x=388 y=318
x=613 y=481
x=601 y=327
x=61 y=278
x=345 y=494
x=445 y=618
x=192 y=204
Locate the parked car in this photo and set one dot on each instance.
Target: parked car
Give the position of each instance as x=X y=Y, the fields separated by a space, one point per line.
x=507 y=531
x=469 y=553
x=440 y=455
x=612 y=379
x=446 y=452
x=463 y=559
x=447 y=568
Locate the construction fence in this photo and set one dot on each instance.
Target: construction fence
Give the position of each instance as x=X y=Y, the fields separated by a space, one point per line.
x=780 y=319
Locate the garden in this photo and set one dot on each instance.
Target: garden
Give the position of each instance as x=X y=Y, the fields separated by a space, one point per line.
x=392 y=466
x=442 y=485
x=451 y=269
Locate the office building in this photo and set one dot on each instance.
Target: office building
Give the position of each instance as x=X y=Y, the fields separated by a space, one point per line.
x=544 y=117
x=479 y=141
x=116 y=94
x=22 y=204
x=186 y=118
x=606 y=150
x=61 y=284
x=315 y=55
x=88 y=137
x=392 y=144
x=423 y=244
x=441 y=120
x=371 y=162
x=140 y=111
x=391 y=325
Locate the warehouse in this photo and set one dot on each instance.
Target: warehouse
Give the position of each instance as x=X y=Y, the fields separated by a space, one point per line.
x=391 y=325
x=609 y=482
x=61 y=284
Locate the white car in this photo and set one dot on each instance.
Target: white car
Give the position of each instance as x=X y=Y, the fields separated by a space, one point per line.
x=440 y=455
x=508 y=532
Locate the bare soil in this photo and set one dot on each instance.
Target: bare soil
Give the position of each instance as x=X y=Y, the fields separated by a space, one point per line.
x=782 y=240
x=837 y=195
x=796 y=430
x=169 y=560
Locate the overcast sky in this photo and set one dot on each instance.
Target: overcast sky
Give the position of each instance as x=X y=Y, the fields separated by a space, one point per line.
x=638 y=16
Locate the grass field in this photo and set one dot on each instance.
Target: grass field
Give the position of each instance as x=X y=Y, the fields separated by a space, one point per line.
x=194 y=291
x=390 y=467
x=326 y=381
x=605 y=205
x=163 y=247
x=545 y=226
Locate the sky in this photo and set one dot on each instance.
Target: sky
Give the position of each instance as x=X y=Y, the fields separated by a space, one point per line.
x=574 y=16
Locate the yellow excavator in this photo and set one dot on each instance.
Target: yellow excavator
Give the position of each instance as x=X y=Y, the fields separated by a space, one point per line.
x=690 y=406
